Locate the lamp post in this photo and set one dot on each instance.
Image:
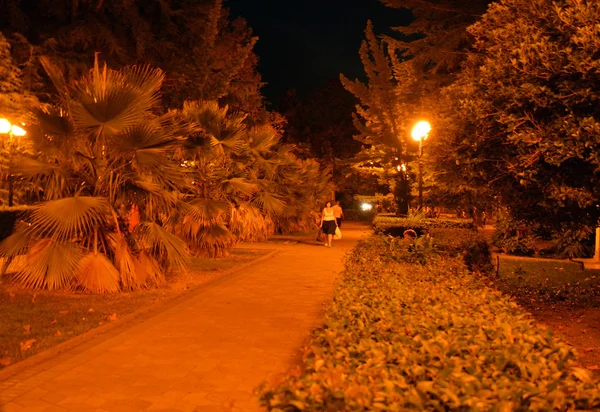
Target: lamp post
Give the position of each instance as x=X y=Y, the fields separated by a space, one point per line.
x=11 y=130
x=419 y=133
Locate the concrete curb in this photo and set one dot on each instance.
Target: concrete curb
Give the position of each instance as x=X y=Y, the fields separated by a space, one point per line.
x=124 y=323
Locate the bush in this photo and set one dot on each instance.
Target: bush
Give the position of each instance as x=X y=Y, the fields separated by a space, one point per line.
x=514 y=236
x=396 y=226
x=410 y=337
x=8 y=218
x=470 y=245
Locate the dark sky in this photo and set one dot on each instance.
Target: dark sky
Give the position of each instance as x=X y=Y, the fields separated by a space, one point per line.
x=303 y=43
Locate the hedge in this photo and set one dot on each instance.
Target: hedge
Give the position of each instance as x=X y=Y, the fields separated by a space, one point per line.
x=8 y=218
x=403 y=336
x=396 y=226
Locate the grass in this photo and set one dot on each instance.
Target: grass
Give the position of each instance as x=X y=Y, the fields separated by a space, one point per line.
x=534 y=280
x=31 y=321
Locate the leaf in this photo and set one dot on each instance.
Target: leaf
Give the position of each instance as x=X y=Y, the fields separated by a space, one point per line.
x=64 y=312
x=583 y=375
x=27 y=329
x=112 y=317
x=69 y=218
x=58 y=333
x=26 y=345
x=97 y=274
x=164 y=245
x=49 y=264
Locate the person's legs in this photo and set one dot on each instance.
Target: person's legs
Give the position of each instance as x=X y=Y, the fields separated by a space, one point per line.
x=339 y=222
x=329 y=239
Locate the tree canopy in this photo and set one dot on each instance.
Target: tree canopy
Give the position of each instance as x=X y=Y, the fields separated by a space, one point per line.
x=524 y=114
x=204 y=54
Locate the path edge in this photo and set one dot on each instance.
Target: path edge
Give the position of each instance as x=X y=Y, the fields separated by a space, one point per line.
x=122 y=323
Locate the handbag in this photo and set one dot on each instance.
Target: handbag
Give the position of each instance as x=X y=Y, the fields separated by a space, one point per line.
x=338 y=233
x=320 y=235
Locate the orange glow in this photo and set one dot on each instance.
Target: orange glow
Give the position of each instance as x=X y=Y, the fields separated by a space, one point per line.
x=421 y=131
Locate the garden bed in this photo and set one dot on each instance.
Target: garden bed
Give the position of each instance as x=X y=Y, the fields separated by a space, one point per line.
x=401 y=336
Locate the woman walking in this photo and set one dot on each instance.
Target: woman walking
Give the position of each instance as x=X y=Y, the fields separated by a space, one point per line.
x=328 y=222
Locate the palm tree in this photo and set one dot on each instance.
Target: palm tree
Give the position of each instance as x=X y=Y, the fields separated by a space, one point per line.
x=101 y=152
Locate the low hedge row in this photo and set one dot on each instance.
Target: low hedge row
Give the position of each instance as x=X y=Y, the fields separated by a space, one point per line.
x=396 y=226
x=403 y=336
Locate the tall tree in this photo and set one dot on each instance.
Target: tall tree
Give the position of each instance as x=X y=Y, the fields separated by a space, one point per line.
x=525 y=115
x=384 y=114
x=437 y=38
x=205 y=55
x=15 y=100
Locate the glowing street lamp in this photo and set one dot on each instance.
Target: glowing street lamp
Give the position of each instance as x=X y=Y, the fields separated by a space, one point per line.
x=7 y=127
x=419 y=133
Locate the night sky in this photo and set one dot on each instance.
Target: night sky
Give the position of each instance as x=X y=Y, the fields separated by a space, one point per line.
x=304 y=43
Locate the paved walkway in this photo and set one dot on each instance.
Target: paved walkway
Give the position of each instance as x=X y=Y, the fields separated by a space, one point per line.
x=207 y=353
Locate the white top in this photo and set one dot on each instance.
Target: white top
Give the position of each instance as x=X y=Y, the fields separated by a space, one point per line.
x=328 y=215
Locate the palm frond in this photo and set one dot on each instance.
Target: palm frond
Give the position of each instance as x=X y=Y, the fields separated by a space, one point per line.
x=55 y=74
x=207 y=211
x=49 y=264
x=148 y=270
x=214 y=240
x=242 y=185
x=107 y=101
x=269 y=203
x=30 y=167
x=69 y=218
x=125 y=262
x=263 y=138
x=168 y=249
x=96 y=274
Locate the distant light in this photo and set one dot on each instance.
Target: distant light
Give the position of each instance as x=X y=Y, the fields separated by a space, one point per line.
x=366 y=206
x=421 y=131
x=4 y=126
x=17 y=131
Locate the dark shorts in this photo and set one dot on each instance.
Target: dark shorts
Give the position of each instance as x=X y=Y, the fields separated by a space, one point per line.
x=329 y=227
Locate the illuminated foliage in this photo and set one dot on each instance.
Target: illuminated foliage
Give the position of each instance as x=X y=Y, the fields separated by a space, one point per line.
x=524 y=115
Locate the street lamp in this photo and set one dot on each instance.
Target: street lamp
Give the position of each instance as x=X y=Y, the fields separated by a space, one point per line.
x=419 y=133
x=7 y=127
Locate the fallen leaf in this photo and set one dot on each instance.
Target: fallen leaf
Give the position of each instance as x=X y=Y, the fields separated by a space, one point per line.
x=27 y=329
x=5 y=361
x=64 y=312
x=54 y=322
x=91 y=310
x=112 y=317
x=11 y=296
x=27 y=344
x=58 y=333
x=33 y=298
x=593 y=367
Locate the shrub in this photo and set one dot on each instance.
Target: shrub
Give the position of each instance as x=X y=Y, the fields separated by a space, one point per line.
x=470 y=245
x=514 y=236
x=396 y=226
x=410 y=337
x=575 y=241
